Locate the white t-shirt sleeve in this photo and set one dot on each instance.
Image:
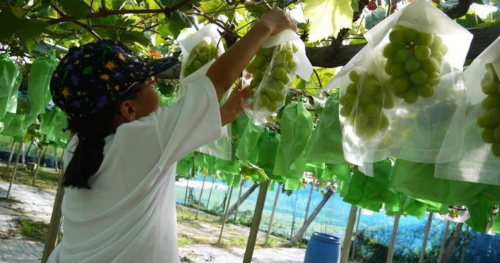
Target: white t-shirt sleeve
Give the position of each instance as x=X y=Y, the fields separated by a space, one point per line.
x=190 y=123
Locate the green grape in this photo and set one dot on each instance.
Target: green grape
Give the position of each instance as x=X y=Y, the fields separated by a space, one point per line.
x=373 y=110
x=288 y=54
x=490 y=102
x=264 y=100
x=412 y=65
x=371 y=87
x=202 y=53
x=388 y=66
x=402 y=55
x=430 y=65
x=495 y=148
x=280 y=96
x=397 y=36
x=400 y=93
x=401 y=84
x=488 y=135
x=411 y=96
x=345 y=111
x=425 y=39
x=443 y=49
x=438 y=56
x=496 y=133
x=280 y=74
x=381 y=122
x=389 y=50
x=254 y=83
x=366 y=132
x=422 y=52
x=272 y=106
x=354 y=76
x=271 y=93
x=398 y=70
x=493 y=115
x=419 y=77
x=410 y=35
x=347 y=100
x=483 y=122
x=291 y=65
x=361 y=120
x=436 y=43
x=433 y=78
x=491 y=72
x=425 y=90
x=294 y=48
x=490 y=87
x=352 y=89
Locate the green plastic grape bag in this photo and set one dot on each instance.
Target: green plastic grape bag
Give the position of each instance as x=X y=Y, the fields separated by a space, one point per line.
x=38 y=82
x=479 y=216
x=419 y=181
x=9 y=103
x=10 y=71
x=183 y=167
x=325 y=144
x=480 y=155
x=231 y=167
x=267 y=150
x=248 y=142
x=274 y=67
x=296 y=128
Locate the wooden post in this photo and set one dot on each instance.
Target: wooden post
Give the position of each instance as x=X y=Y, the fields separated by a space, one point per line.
x=271 y=220
x=443 y=241
x=356 y=234
x=311 y=218
x=242 y=199
x=307 y=208
x=210 y=194
x=453 y=241
x=12 y=148
x=464 y=247
x=348 y=235
x=257 y=216
x=426 y=236
x=294 y=214
x=199 y=200
x=38 y=161
x=237 y=203
x=15 y=169
x=393 y=238
x=225 y=214
x=55 y=220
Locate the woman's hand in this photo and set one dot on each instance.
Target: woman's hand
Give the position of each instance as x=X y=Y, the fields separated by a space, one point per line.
x=277 y=20
x=232 y=108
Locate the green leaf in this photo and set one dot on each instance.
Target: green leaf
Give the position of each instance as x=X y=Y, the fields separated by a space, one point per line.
x=374 y=17
x=327 y=17
x=214 y=7
x=173 y=25
x=470 y=19
x=134 y=37
x=25 y=29
x=74 y=8
x=117 y=4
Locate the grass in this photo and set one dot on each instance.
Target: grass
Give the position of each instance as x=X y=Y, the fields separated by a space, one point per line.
x=44 y=180
x=34 y=230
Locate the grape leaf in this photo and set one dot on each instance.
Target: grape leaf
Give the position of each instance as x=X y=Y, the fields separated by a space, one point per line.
x=74 y=8
x=173 y=25
x=135 y=36
x=327 y=17
x=26 y=29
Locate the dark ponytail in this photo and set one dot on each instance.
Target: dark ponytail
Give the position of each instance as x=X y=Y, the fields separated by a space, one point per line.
x=91 y=131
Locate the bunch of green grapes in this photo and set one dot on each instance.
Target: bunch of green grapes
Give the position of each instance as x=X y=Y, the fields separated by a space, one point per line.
x=200 y=55
x=490 y=119
x=363 y=102
x=271 y=69
x=413 y=62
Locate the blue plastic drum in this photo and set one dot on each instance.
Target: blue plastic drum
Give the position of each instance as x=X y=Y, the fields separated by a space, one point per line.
x=323 y=248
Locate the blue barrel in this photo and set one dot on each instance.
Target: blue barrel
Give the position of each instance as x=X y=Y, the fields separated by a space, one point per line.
x=322 y=248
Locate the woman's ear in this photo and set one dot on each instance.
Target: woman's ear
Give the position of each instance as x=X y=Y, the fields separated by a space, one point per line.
x=127 y=110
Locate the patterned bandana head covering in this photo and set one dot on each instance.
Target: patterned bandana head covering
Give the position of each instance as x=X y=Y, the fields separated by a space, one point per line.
x=91 y=76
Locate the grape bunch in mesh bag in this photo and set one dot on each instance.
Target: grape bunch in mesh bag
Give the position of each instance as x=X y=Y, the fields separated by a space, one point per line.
x=490 y=119
x=363 y=102
x=272 y=70
x=413 y=62
x=200 y=55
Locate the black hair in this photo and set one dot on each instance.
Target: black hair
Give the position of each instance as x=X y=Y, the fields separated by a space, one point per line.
x=91 y=131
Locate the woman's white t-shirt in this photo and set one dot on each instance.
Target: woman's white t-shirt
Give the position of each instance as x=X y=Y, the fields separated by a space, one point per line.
x=129 y=214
